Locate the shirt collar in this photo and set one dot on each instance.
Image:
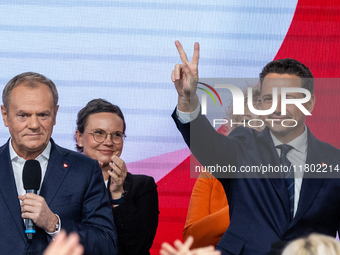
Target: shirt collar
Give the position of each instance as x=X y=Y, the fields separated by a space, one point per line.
x=299 y=143
x=44 y=155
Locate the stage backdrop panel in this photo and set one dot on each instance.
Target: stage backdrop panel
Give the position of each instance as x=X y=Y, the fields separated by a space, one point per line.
x=124 y=52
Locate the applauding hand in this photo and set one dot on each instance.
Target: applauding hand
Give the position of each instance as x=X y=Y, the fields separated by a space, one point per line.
x=184 y=248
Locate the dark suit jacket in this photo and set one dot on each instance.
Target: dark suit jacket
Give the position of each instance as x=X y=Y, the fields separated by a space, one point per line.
x=136 y=219
x=73 y=188
x=259 y=208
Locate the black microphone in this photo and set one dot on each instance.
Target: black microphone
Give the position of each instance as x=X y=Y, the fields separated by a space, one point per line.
x=31 y=177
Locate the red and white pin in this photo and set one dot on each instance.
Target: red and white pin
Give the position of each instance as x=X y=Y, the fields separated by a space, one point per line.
x=65 y=165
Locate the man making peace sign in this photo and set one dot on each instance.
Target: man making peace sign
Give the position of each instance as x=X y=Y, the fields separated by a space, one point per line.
x=265 y=213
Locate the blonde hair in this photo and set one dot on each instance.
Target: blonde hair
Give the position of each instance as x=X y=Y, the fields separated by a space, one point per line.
x=314 y=244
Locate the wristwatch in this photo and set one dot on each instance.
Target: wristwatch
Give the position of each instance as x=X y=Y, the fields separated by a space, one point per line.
x=57 y=227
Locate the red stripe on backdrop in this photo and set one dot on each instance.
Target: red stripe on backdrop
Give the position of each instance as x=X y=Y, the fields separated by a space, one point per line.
x=174 y=192
x=314 y=39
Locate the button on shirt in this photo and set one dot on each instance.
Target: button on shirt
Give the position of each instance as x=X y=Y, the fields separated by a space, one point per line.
x=297 y=156
x=18 y=167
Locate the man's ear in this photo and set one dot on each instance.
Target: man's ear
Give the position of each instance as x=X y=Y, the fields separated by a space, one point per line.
x=310 y=104
x=55 y=114
x=4 y=115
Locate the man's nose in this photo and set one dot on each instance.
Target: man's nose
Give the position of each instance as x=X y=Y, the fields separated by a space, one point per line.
x=278 y=106
x=33 y=122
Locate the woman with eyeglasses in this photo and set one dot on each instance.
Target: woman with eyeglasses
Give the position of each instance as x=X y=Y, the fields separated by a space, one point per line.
x=100 y=135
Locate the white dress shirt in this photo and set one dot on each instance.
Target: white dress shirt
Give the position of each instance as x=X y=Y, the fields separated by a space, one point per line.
x=18 y=167
x=19 y=162
x=297 y=156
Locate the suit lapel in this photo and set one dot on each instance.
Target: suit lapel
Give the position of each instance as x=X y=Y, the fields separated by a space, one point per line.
x=9 y=191
x=311 y=186
x=56 y=171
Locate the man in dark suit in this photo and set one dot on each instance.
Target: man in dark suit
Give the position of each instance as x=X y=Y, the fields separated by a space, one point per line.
x=72 y=194
x=265 y=213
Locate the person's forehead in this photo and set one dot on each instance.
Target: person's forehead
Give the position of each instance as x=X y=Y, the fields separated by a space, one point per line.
x=31 y=85
x=104 y=120
x=24 y=93
x=273 y=80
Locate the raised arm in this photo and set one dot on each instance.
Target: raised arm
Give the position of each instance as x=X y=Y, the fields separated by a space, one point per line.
x=185 y=77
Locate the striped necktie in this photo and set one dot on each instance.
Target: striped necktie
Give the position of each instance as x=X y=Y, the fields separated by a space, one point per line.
x=289 y=176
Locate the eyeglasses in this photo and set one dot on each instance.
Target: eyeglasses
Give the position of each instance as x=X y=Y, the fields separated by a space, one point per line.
x=100 y=136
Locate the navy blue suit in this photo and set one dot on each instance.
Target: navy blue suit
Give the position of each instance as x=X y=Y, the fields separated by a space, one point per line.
x=259 y=208
x=74 y=189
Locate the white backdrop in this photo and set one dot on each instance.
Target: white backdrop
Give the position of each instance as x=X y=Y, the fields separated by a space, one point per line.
x=124 y=52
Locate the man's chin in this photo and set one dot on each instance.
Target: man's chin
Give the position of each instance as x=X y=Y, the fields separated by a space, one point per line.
x=35 y=146
x=278 y=129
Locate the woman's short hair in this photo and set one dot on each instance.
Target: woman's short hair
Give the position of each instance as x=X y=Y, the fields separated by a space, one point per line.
x=314 y=244
x=96 y=106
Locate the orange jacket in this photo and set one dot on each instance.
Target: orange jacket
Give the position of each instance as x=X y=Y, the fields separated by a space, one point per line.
x=208 y=212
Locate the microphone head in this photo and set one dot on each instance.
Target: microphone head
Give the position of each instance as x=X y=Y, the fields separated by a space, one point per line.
x=31 y=175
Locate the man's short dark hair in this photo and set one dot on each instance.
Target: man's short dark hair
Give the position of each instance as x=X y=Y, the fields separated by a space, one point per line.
x=96 y=106
x=30 y=79
x=290 y=66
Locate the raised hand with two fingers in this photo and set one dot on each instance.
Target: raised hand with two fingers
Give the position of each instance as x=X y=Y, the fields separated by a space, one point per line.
x=185 y=78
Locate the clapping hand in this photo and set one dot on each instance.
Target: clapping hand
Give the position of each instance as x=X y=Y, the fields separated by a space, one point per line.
x=118 y=175
x=65 y=245
x=180 y=248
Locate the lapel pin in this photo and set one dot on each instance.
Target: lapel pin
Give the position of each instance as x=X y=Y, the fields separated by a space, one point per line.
x=323 y=164
x=65 y=165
